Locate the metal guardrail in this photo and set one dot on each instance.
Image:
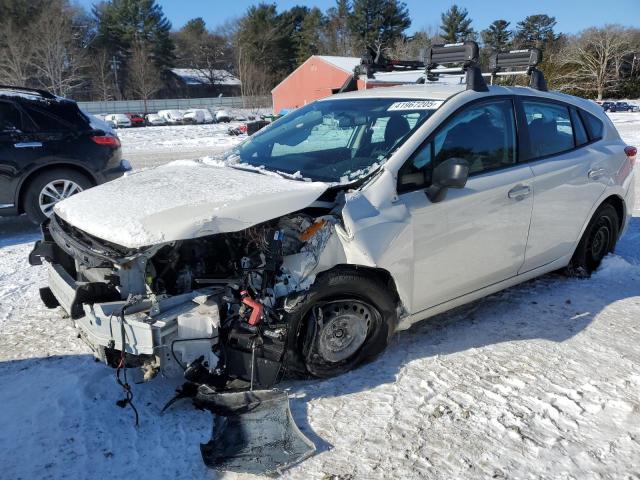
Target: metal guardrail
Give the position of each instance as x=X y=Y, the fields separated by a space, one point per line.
x=137 y=106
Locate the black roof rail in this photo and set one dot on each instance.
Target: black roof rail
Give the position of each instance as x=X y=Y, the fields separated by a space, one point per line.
x=466 y=54
x=528 y=59
x=372 y=62
x=42 y=93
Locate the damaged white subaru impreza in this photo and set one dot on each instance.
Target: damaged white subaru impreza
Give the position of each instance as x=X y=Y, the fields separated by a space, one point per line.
x=302 y=250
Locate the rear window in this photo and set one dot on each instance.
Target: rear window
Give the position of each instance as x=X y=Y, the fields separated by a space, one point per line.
x=593 y=124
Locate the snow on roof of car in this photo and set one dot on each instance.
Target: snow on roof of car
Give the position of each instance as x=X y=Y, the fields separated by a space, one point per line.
x=193 y=76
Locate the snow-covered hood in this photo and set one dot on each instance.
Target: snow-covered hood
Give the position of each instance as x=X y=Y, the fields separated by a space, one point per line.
x=183 y=200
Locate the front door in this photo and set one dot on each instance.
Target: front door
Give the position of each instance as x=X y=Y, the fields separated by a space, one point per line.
x=477 y=235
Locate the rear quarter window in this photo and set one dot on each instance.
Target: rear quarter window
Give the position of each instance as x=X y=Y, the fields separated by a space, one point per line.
x=57 y=117
x=594 y=125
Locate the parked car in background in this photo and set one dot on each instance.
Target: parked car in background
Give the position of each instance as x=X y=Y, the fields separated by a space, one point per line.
x=194 y=116
x=606 y=106
x=222 y=116
x=172 y=117
x=50 y=150
x=624 y=107
x=136 y=119
x=154 y=119
x=118 y=120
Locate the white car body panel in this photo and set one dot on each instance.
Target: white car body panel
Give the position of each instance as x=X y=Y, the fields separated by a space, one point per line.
x=475 y=237
x=183 y=200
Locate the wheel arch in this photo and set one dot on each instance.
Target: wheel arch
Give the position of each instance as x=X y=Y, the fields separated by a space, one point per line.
x=26 y=181
x=381 y=274
x=617 y=202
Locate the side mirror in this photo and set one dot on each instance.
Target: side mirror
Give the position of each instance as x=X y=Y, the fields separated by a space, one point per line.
x=452 y=173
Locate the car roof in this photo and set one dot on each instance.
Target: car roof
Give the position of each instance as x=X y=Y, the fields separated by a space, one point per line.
x=444 y=91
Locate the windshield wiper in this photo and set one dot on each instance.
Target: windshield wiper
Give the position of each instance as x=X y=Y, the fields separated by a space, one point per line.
x=265 y=171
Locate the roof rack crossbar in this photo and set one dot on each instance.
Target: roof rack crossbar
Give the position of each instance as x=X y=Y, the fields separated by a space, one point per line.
x=464 y=53
x=528 y=58
x=40 y=92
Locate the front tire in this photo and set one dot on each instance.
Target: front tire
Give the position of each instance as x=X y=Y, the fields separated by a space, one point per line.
x=50 y=187
x=598 y=240
x=346 y=318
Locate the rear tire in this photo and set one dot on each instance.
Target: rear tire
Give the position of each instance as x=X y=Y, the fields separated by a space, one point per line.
x=346 y=318
x=598 y=240
x=40 y=194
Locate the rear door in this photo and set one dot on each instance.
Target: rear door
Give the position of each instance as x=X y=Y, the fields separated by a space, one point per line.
x=570 y=174
x=477 y=235
x=18 y=151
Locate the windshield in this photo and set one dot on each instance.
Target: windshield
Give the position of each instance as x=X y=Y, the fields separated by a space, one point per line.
x=334 y=140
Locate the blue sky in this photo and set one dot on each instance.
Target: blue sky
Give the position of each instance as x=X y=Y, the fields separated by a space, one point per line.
x=571 y=15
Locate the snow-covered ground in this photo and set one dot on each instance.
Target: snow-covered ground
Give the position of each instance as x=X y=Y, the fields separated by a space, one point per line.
x=150 y=146
x=539 y=381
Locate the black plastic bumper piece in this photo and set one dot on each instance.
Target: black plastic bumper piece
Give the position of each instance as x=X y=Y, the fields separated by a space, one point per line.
x=254 y=432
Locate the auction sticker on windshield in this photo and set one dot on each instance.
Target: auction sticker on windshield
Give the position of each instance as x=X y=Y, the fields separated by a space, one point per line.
x=415 y=105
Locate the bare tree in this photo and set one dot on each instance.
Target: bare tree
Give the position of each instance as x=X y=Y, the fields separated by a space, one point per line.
x=102 y=75
x=16 y=51
x=255 y=80
x=58 y=60
x=592 y=60
x=144 y=76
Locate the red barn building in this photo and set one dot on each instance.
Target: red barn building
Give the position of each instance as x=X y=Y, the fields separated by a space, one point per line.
x=321 y=76
x=316 y=78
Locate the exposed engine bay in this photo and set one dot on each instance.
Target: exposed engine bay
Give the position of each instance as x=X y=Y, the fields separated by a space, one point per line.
x=215 y=304
x=212 y=309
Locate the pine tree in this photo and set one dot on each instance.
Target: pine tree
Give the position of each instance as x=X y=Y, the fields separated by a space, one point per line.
x=310 y=38
x=121 y=23
x=535 y=31
x=378 y=23
x=456 y=27
x=337 y=33
x=497 y=36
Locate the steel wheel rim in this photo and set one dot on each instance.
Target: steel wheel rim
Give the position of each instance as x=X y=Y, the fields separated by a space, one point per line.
x=344 y=330
x=55 y=191
x=601 y=240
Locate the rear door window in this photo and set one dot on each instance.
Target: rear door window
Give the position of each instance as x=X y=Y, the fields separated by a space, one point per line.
x=549 y=126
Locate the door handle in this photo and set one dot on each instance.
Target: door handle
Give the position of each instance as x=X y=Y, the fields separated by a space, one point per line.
x=28 y=145
x=596 y=173
x=519 y=192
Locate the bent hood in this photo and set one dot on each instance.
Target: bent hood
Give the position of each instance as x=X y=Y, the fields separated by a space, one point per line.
x=183 y=200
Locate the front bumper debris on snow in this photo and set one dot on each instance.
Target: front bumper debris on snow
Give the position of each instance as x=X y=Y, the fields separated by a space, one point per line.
x=182 y=334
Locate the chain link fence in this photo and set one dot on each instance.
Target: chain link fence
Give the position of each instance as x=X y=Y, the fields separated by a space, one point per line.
x=137 y=106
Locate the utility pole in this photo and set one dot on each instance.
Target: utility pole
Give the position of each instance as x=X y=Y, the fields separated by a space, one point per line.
x=115 y=65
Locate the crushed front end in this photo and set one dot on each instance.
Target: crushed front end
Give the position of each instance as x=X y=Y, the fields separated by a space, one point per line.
x=218 y=300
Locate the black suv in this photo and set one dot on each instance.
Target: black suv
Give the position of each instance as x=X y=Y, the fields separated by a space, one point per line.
x=49 y=150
